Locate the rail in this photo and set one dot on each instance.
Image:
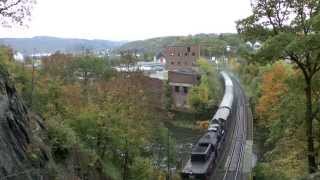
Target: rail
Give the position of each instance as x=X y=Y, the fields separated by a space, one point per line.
x=234 y=161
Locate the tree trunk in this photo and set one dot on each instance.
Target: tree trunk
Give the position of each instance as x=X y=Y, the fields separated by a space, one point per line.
x=125 y=166
x=309 y=128
x=86 y=82
x=125 y=175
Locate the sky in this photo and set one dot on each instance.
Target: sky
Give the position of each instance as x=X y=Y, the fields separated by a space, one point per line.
x=130 y=19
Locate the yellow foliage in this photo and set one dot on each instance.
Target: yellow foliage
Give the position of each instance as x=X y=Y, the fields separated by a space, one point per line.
x=272 y=88
x=289 y=155
x=203 y=124
x=234 y=65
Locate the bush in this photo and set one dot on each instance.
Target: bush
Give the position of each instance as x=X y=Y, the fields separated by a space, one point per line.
x=141 y=169
x=61 y=139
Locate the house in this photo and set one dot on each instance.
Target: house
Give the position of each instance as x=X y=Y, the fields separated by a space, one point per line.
x=18 y=57
x=160 y=58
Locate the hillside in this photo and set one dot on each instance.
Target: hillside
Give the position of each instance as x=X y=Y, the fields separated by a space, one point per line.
x=149 y=45
x=211 y=44
x=43 y=44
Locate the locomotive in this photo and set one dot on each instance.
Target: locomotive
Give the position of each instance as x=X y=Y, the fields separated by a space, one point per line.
x=205 y=153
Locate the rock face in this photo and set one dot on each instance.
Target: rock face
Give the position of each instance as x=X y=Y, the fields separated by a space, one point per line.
x=15 y=134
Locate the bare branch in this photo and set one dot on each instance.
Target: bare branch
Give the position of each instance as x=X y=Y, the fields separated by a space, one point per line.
x=301 y=65
x=10 y=6
x=15 y=11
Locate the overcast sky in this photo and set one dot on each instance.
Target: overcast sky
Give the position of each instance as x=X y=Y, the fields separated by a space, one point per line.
x=130 y=19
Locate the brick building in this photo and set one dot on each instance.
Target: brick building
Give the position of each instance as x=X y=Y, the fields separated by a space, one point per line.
x=182 y=72
x=182 y=57
x=181 y=82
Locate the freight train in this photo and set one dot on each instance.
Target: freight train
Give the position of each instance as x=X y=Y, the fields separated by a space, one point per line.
x=206 y=151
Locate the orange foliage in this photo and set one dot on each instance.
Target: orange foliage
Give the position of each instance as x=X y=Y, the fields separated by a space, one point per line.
x=72 y=94
x=272 y=88
x=55 y=64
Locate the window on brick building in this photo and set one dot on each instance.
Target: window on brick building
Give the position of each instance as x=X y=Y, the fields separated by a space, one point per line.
x=176 y=88
x=179 y=63
x=193 y=54
x=179 y=54
x=186 y=54
x=172 y=63
x=185 y=90
x=188 y=49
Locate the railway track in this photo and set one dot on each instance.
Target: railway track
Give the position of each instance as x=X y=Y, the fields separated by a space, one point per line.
x=234 y=162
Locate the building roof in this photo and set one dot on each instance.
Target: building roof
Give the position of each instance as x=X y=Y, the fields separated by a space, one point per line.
x=159 y=55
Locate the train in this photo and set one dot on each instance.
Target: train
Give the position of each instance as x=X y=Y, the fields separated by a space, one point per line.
x=206 y=151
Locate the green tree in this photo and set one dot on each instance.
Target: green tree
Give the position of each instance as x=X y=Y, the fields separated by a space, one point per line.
x=168 y=96
x=204 y=95
x=61 y=139
x=89 y=69
x=290 y=31
x=198 y=97
x=58 y=66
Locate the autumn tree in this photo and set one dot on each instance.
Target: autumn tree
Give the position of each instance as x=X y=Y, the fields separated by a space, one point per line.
x=290 y=31
x=126 y=105
x=88 y=69
x=273 y=87
x=57 y=66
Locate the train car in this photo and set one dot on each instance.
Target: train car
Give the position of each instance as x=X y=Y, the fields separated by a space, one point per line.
x=225 y=107
x=203 y=157
x=221 y=116
x=227 y=99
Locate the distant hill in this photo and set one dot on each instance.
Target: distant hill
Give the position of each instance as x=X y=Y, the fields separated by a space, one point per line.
x=211 y=44
x=44 y=44
x=149 y=45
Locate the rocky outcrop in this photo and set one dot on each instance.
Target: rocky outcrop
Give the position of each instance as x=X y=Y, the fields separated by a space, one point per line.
x=16 y=146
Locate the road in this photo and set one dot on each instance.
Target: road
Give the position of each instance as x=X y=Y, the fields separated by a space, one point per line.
x=235 y=161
